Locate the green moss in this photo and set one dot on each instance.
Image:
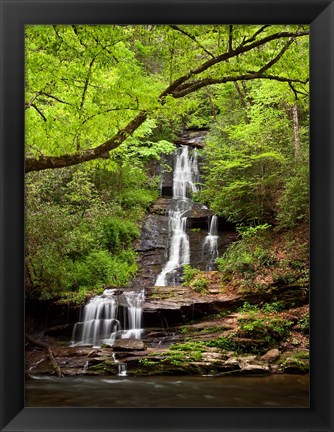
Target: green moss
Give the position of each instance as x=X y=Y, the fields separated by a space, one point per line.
x=268 y=328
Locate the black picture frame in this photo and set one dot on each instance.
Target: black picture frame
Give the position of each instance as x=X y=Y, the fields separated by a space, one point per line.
x=14 y=15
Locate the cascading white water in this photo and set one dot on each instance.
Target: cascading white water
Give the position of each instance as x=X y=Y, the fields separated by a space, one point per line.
x=122 y=367
x=100 y=319
x=185 y=176
x=210 y=245
x=134 y=301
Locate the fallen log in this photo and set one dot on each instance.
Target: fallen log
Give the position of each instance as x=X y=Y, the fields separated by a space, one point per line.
x=47 y=347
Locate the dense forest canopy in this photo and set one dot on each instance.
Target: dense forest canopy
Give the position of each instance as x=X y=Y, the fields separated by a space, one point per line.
x=102 y=102
x=88 y=88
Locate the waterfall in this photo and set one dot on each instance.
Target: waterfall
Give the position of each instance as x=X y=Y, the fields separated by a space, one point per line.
x=185 y=176
x=101 y=322
x=122 y=367
x=210 y=245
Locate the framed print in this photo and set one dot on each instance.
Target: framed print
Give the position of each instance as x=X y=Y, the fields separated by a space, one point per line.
x=167 y=222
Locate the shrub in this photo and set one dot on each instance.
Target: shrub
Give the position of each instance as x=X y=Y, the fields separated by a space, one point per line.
x=246 y=307
x=119 y=232
x=264 y=328
x=189 y=273
x=304 y=323
x=200 y=284
x=273 y=307
x=138 y=198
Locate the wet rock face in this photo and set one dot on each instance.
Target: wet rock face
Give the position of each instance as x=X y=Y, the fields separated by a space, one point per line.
x=152 y=249
x=154 y=233
x=153 y=246
x=193 y=138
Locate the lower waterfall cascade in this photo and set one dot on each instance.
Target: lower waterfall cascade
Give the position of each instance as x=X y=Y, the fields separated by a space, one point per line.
x=101 y=318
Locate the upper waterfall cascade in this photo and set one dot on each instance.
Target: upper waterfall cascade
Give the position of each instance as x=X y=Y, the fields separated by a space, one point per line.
x=185 y=176
x=185 y=182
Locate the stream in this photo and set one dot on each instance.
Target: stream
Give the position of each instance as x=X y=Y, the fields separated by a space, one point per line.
x=275 y=391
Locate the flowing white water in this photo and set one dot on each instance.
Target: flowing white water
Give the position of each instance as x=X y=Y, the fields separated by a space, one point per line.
x=210 y=245
x=122 y=367
x=100 y=318
x=185 y=176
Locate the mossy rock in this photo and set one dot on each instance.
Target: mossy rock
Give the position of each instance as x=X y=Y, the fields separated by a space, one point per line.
x=106 y=367
x=295 y=365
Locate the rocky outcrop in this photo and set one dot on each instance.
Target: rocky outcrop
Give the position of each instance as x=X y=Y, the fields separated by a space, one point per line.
x=193 y=138
x=130 y=344
x=85 y=361
x=154 y=241
x=174 y=305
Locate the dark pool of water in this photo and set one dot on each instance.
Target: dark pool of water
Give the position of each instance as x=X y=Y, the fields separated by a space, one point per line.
x=144 y=392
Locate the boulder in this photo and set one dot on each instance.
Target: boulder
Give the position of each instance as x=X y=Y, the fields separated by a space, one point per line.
x=271 y=356
x=254 y=369
x=295 y=365
x=130 y=344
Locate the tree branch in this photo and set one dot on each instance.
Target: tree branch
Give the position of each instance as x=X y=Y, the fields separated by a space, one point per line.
x=226 y=56
x=39 y=111
x=252 y=38
x=209 y=81
x=47 y=162
x=230 y=38
x=175 y=27
x=54 y=97
x=192 y=86
x=278 y=57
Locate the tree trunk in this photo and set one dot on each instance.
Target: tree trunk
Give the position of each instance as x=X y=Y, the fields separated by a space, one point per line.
x=47 y=347
x=296 y=129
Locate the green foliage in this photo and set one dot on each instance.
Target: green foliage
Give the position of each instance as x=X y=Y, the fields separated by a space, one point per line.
x=118 y=232
x=147 y=362
x=179 y=354
x=195 y=278
x=246 y=307
x=188 y=346
x=79 y=233
x=304 y=323
x=225 y=343
x=294 y=201
x=267 y=328
x=252 y=174
x=189 y=273
x=200 y=284
x=304 y=355
x=277 y=306
x=249 y=255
